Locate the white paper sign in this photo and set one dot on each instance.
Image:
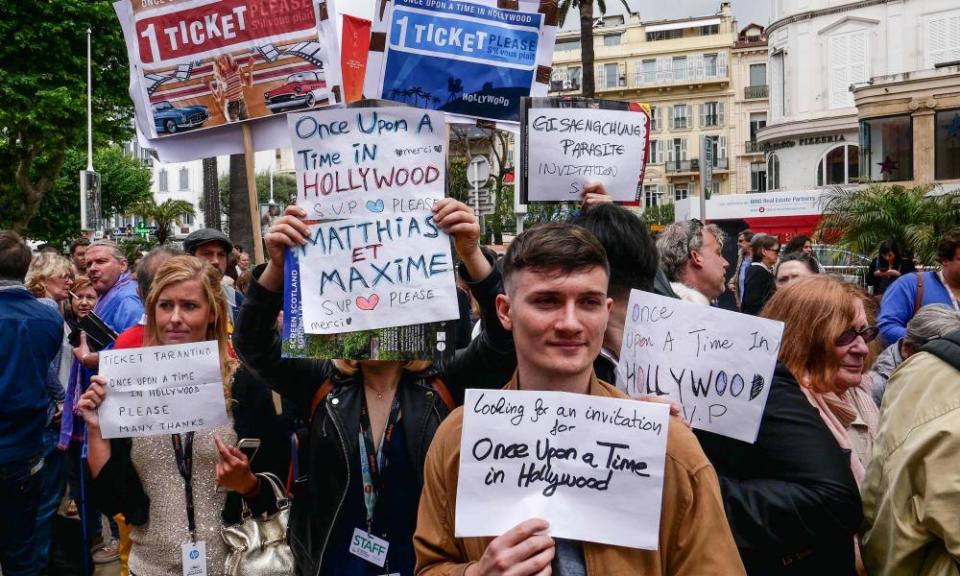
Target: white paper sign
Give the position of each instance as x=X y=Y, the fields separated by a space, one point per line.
x=717 y=364
x=364 y=162
x=590 y=466
x=161 y=390
x=368 y=273
x=571 y=147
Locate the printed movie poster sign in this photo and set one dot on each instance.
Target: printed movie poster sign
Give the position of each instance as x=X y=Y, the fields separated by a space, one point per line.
x=200 y=64
x=716 y=363
x=468 y=59
x=430 y=341
x=568 y=143
x=361 y=162
x=591 y=466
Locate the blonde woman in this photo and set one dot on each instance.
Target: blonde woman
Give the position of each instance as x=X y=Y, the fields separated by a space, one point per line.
x=142 y=478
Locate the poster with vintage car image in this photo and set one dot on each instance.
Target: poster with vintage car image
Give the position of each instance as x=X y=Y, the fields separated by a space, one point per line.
x=201 y=64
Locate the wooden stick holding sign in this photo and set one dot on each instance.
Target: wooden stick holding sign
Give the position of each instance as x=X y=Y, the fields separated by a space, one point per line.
x=249 y=157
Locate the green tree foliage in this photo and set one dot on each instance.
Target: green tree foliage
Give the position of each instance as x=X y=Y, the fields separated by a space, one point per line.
x=458 y=187
x=284 y=189
x=123 y=182
x=43 y=90
x=662 y=214
x=914 y=218
x=162 y=215
x=586 y=36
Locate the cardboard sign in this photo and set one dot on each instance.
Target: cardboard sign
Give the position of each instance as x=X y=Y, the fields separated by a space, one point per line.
x=370 y=273
x=465 y=58
x=366 y=162
x=591 y=466
x=717 y=364
x=568 y=148
x=430 y=341
x=196 y=64
x=161 y=390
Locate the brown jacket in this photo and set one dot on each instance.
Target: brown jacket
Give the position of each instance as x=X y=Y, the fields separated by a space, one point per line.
x=694 y=535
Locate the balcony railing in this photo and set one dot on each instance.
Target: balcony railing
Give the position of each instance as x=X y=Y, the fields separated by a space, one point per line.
x=673 y=166
x=752 y=147
x=564 y=86
x=689 y=75
x=754 y=92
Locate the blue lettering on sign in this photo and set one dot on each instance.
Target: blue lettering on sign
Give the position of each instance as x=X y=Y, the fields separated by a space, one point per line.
x=512 y=46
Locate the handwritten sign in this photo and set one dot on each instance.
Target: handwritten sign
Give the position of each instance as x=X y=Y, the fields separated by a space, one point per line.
x=161 y=390
x=470 y=58
x=591 y=466
x=717 y=364
x=368 y=273
x=430 y=341
x=568 y=148
x=368 y=161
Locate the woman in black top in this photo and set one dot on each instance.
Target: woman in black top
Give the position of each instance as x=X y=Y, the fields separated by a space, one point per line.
x=760 y=283
x=886 y=268
x=372 y=421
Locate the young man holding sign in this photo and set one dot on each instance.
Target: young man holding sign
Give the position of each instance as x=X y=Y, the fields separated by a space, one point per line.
x=556 y=305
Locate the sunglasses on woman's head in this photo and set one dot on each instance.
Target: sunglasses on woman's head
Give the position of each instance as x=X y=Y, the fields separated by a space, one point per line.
x=869 y=334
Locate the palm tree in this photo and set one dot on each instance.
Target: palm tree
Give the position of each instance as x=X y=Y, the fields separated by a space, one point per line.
x=163 y=215
x=914 y=218
x=586 y=36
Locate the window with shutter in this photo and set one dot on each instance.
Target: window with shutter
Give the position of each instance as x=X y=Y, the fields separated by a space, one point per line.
x=679 y=68
x=720 y=118
x=162 y=183
x=776 y=87
x=184 y=179
x=943 y=39
x=848 y=65
x=611 y=75
x=652 y=153
x=683 y=149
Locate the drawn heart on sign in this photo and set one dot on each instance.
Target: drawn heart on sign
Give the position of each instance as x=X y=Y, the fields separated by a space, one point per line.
x=349 y=321
x=399 y=152
x=375 y=206
x=438 y=148
x=368 y=303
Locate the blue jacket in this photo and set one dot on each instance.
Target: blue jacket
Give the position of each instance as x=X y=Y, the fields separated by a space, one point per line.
x=896 y=308
x=30 y=337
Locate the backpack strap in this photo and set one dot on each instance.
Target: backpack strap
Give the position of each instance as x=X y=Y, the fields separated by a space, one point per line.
x=319 y=395
x=443 y=392
x=946 y=348
x=918 y=299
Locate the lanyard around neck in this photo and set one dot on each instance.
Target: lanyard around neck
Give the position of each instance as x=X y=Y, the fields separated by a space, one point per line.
x=372 y=461
x=183 y=450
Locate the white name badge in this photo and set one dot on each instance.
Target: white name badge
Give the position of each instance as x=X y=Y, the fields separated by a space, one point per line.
x=194 y=558
x=369 y=547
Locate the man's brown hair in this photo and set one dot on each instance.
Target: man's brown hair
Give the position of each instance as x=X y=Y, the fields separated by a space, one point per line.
x=14 y=256
x=947 y=248
x=554 y=248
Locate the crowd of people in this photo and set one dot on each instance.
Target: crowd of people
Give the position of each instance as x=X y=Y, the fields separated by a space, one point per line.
x=852 y=471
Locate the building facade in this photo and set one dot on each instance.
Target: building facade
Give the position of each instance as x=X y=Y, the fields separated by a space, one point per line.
x=818 y=50
x=682 y=69
x=910 y=126
x=748 y=68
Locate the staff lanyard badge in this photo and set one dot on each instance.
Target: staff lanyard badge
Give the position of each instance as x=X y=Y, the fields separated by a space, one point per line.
x=193 y=554
x=365 y=544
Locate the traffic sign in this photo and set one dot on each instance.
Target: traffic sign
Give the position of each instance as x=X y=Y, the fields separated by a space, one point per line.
x=478 y=170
